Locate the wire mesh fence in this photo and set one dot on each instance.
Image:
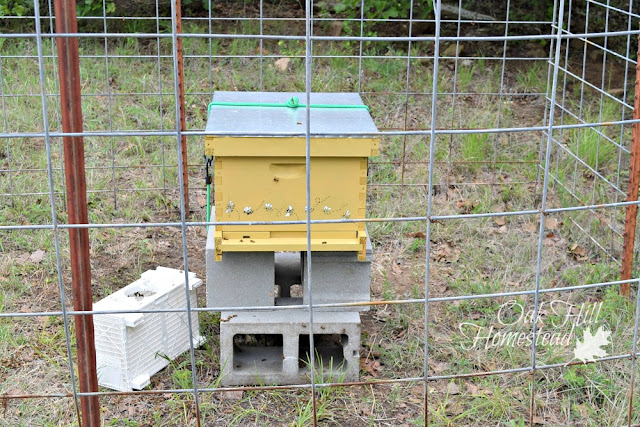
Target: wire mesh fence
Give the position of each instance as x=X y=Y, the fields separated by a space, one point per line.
x=501 y=204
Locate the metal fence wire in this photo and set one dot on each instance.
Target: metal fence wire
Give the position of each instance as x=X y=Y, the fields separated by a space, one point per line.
x=502 y=206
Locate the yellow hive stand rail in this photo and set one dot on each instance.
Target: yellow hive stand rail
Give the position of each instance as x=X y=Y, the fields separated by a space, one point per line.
x=263 y=178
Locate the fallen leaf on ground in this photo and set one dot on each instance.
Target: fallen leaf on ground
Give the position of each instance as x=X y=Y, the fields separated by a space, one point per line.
x=37 y=256
x=445 y=251
x=335 y=29
x=418 y=235
x=282 y=64
x=465 y=206
x=440 y=367
x=22 y=259
x=473 y=389
x=452 y=388
x=417 y=390
x=373 y=367
x=552 y=223
x=582 y=408
x=231 y=395
x=364 y=410
x=500 y=221
x=396 y=269
x=202 y=201
x=551 y=238
x=578 y=252
x=439 y=288
x=454 y=408
x=454 y=49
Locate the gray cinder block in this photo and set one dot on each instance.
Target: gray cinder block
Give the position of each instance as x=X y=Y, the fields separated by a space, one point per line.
x=338 y=277
x=273 y=347
x=241 y=279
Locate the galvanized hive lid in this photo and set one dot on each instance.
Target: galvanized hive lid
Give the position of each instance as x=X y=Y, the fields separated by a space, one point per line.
x=262 y=121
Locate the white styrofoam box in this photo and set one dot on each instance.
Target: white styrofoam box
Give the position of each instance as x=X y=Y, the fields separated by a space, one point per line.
x=132 y=347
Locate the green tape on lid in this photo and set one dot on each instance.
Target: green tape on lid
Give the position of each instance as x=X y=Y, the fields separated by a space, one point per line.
x=292 y=102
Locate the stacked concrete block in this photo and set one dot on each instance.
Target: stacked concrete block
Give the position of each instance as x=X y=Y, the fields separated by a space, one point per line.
x=244 y=279
x=338 y=277
x=241 y=279
x=272 y=346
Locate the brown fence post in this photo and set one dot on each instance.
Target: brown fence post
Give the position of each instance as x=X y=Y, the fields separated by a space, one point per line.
x=70 y=103
x=183 y=120
x=632 y=194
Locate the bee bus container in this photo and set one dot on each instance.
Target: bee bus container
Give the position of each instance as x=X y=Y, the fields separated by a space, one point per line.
x=131 y=347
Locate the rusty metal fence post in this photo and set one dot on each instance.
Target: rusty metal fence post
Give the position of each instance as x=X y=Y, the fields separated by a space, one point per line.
x=183 y=119
x=70 y=103
x=632 y=194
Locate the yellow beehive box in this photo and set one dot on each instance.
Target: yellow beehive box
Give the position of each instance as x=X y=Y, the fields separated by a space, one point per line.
x=260 y=174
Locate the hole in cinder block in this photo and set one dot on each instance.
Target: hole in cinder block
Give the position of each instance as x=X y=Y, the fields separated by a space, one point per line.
x=329 y=349
x=257 y=352
x=288 y=276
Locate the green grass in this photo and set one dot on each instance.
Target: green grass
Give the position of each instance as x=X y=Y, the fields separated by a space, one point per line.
x=475 y=147
x=467 y=73
x=533 y=78
x=594 y=150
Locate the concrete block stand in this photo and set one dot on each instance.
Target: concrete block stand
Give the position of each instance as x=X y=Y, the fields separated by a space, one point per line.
x=273 y=347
